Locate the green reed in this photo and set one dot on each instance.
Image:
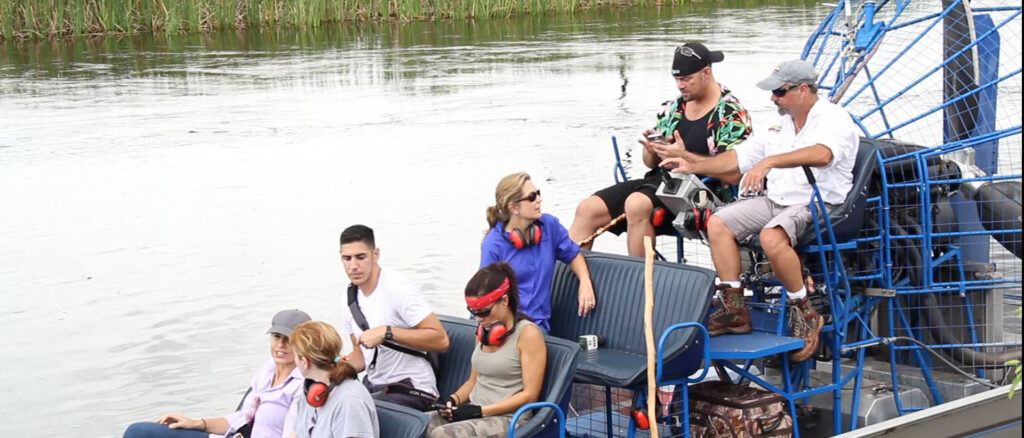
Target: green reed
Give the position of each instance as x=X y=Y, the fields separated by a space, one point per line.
x=37 y=19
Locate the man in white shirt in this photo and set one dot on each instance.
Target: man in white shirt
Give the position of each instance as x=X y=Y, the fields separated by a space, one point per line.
x=390 y=324
x=810 y=132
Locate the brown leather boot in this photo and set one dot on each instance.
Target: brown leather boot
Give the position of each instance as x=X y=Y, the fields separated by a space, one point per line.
x=732 y=315
x=806 y=324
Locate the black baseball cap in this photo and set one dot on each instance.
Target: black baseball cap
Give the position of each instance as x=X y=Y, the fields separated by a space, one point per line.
x=691 y=57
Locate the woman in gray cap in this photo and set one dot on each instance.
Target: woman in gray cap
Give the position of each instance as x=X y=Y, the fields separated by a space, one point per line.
x=269 y=407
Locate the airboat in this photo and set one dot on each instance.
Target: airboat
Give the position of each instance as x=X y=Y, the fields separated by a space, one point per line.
x=919 y=271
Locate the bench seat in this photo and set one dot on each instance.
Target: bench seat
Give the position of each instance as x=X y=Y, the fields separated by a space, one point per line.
x=683 y=293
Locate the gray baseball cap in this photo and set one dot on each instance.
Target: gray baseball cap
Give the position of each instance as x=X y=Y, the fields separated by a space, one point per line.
x=794 y=72
x=285 y=321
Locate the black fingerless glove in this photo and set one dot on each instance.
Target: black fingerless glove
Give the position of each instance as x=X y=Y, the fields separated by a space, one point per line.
x=467 y=411
x=451 y=399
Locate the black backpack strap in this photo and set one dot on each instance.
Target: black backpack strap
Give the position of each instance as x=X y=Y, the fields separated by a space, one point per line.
x=399 y=388
x=360 y=319
x=353 y=307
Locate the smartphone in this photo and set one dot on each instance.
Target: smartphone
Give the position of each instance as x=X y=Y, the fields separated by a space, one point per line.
x=438 y=406
x=656 y=136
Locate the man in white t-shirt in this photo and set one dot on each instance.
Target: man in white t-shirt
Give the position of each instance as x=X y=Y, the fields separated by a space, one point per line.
x=391 y=325
x=810 y=132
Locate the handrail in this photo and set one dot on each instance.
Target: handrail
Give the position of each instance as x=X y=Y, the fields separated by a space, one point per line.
x=537 y=405
x=621 y=171
x=686 y=380
x=664 y=338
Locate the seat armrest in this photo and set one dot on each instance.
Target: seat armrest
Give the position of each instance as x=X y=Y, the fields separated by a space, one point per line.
x=537 y=405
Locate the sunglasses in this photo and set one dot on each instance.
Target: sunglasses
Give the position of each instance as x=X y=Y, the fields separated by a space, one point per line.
x=781 y=91
x=482 y=313
x=531 y=197
x=688 y=52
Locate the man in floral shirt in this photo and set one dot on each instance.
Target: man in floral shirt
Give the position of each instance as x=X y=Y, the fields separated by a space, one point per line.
x=705 y=120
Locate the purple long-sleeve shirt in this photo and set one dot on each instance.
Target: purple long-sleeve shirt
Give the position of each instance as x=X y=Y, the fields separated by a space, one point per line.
x=271 y=408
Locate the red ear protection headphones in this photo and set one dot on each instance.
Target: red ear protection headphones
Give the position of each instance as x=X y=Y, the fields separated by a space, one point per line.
x=639 y=414
x=658 y=216
x=496 y=333
x=316 y=392
x=697 y=219
x=522 y=239
x=493 y=335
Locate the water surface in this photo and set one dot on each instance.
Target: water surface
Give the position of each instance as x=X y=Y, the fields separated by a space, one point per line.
x=164 y=197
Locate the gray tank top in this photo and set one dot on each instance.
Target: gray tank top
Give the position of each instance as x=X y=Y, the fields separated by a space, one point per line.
x=499 y=373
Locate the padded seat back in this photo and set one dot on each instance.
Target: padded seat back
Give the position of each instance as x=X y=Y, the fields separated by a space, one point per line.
x=682 y=293
x=400 y=421
x=848 y=218
x=455 y=366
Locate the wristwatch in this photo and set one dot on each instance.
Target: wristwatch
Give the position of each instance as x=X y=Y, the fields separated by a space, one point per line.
x=388 y=336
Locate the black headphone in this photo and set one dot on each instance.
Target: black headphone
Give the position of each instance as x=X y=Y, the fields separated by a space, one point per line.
x=493 y=335
x=696 y=219
x=522 y=239
x=316 y=392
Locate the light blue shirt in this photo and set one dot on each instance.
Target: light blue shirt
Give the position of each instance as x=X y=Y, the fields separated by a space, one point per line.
x=348 y=412
x=534 y=265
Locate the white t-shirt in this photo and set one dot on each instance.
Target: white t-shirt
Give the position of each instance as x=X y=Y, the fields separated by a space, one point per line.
x=398 y=303
x=348 y=412
x=827 y=124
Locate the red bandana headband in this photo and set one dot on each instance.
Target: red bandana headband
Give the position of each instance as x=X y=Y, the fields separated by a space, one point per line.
x=486 y=300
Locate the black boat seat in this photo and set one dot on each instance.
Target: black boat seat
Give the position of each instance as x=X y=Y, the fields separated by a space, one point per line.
x=682 y=294
x=455 y=366
x=400 y=421
x=848 y=218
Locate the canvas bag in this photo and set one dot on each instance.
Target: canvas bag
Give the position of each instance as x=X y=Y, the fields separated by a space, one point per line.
x=721 y=409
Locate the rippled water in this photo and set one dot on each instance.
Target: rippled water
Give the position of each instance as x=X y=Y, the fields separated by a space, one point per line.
x=162 y=198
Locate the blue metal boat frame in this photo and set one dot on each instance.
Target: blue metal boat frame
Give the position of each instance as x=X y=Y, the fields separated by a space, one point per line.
x=849 y=331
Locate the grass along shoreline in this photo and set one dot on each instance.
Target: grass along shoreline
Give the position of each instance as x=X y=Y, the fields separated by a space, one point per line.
x=53 y=19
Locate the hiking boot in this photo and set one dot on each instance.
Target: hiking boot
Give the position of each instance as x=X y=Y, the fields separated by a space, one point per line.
x=732 y=315
x=806 y=324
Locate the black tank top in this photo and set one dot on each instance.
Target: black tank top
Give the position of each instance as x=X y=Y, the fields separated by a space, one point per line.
x=695 y=133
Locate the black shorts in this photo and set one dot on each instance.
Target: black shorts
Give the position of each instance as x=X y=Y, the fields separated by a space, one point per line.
x=614 y=198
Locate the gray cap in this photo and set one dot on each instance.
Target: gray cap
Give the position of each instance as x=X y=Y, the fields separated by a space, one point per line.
x=794 y=72
x=286 y=320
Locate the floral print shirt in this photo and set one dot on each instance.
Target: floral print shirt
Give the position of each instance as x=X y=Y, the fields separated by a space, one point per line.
x=728 y=123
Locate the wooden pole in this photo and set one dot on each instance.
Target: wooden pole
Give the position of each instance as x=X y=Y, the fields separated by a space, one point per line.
x=601 y=230
x=652 y=384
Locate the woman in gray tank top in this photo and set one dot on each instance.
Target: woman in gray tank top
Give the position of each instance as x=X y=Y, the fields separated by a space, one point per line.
x=507 y=364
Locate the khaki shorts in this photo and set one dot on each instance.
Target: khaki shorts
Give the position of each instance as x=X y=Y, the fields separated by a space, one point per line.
x=748 y=217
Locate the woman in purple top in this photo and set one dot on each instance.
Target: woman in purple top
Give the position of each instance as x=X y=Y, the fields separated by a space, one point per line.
x=269 y=407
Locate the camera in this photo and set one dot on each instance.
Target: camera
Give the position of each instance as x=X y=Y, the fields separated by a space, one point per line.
x=691 y=201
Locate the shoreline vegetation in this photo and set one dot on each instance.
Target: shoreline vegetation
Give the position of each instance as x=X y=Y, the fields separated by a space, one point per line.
x=52 y=19
x=61 y=19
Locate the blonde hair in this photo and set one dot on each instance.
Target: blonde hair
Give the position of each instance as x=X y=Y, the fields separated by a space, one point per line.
x=509 y=189
x=320 y=343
